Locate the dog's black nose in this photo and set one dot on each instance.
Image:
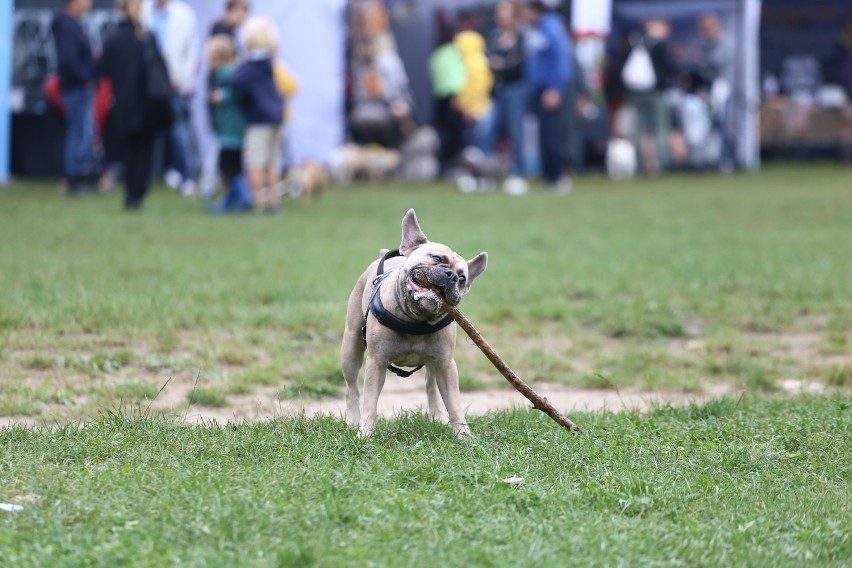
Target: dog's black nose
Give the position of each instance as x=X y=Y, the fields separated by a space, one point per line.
x=451 y=276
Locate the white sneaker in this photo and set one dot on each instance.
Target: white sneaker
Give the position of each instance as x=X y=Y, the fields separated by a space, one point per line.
x=466 y=183
x=565 y=184
x=515 y=185
x=187 y=188
x=172 y=179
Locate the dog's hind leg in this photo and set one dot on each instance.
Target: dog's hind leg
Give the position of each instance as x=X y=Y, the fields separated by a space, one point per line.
x=351 y=358
x=437 y=410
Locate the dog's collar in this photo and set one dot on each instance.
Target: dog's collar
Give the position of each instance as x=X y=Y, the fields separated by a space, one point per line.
x=391 y=321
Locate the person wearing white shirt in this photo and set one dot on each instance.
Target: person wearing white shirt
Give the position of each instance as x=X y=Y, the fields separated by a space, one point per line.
x=175 y=27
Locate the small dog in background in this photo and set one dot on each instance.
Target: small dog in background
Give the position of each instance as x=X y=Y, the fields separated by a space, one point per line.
x=621 y=160
x=372 y=163
x=479 y=172
x=307 y=181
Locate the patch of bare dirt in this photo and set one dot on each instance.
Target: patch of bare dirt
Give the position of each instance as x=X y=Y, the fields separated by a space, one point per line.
x=401 y=395
x=807 y=349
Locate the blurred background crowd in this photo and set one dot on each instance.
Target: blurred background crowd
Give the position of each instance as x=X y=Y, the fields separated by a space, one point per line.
x=263 y=98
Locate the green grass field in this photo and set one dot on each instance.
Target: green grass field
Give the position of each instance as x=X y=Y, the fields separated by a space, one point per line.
x=732 y=483
x=677 y=284
x=671 y=284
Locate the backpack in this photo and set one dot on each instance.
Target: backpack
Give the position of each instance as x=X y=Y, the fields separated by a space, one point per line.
x=158 y=90
x=638 y=73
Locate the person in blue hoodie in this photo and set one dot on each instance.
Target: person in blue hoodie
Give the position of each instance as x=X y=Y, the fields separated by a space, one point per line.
x=548 y=70
x=254 y=79
x=76 y=70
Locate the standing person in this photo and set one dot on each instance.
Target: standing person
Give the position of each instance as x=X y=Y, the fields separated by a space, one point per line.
x=76 y=83
x=652 y=116
x=474 y=99
x=229 y=124
x=174 y=25
x=381 y=100
x=575 y=110
x=264 y=107
x=449 y=75
x=132 y=62
x=236 y=12
x=717 y=72
x=547 y=71
x=506 y=58
x=839 y=71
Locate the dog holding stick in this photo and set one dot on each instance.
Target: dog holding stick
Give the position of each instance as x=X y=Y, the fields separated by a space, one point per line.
x=396 y=316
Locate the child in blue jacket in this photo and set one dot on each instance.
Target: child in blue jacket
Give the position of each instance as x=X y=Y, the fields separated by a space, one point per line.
x=264 y=108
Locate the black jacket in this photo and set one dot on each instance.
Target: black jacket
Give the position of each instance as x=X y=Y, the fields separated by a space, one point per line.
x=123 y=63
x=76 y=64
x=664 y=66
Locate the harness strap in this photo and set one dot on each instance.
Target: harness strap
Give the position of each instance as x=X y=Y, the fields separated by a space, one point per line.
x=389 y=320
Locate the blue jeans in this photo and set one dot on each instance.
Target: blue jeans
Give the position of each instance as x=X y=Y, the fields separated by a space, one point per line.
x=724 y=123
x=80 y=137
x=550 y=139
x=178 y=140
x=507 y=114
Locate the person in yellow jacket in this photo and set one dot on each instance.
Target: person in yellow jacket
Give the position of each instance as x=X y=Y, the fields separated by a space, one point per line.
x=474 y=99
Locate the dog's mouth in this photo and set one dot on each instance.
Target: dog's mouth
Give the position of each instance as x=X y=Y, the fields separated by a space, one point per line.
x=424 y=287
x=418 y=287
x=421 y=290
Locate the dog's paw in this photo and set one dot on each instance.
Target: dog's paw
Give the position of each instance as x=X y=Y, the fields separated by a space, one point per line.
x=463 y=433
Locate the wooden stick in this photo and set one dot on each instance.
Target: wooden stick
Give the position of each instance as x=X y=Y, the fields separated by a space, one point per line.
x=539 y=402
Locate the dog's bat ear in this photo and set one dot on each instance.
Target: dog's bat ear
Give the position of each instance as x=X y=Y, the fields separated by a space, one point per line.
x=476 y=266
x=412 y=235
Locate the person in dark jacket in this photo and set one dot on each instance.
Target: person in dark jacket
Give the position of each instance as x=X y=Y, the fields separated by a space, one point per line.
x=236 y=12
x=548 y=68
x=254 y=80
x=76 y=66
x=138 y=118
x=653 y=121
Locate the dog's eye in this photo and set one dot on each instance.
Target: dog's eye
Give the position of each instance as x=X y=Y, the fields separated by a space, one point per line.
x=436 y=258
x=462 y=279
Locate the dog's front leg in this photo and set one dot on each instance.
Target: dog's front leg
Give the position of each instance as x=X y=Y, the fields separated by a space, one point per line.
x=436 y=407
x=447 y=377
x=374 y=380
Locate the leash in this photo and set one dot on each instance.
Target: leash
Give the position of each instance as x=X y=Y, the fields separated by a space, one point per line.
x=391 y=321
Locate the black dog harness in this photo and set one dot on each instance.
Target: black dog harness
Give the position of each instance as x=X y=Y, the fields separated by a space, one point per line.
x=389 y=320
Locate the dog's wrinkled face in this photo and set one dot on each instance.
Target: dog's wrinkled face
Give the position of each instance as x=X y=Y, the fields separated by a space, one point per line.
x=429 y=266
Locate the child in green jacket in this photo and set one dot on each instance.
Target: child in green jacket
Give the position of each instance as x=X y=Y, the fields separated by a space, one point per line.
x=229 y=124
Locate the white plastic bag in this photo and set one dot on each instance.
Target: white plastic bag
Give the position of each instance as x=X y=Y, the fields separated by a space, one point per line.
x=638 y=72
